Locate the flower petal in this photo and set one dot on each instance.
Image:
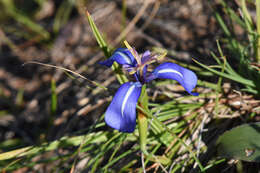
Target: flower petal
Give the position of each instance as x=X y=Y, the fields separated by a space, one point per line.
x=121 y=56
x=146 y=56
x=185 y=77
x=121 y=113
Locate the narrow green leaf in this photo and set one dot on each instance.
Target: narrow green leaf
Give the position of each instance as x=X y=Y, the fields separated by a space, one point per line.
x=258 y=29
x=20 y=97
x=103 y=45
x=232 y=14
x=63 y=14
x=238 y=79
x=12 y=11
x=53 y=97
x=63 y=142
x=222 y=24
x=101 y=42
x=247 y=17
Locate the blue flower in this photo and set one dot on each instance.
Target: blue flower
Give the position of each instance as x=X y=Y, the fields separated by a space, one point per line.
x=121 y=113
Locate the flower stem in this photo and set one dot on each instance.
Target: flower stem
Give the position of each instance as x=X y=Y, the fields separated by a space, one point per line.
x=143 y=125
x=258 y=29
x=142 y=120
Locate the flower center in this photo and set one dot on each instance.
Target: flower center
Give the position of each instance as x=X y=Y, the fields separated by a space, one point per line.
x=141 y=63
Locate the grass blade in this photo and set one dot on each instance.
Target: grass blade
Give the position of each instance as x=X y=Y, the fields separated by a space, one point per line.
x=103 y=45
x=101 y=42
x=238 y=79
x=12 y=11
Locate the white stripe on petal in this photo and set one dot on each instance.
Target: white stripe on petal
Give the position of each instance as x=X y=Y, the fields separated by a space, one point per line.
x=129 y=92
x=127 y=59
x=170 y=71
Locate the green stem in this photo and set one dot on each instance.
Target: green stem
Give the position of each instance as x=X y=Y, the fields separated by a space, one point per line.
x=258 y=29
x=142 y=120
x=143 y=125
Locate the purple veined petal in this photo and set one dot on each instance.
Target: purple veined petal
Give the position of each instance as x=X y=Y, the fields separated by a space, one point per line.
x=142 y=76
x=122 y=56
x=121 y=113
x=146 y=56
x=168 y=70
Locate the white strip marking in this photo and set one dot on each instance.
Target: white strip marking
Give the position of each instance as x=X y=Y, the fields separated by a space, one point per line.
x=170 y=71
x=128 y=93
x=127 y=59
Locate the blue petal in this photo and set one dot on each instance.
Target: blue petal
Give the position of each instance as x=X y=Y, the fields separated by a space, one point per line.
x=122 y=56
x=121 y=113
x=185 y=77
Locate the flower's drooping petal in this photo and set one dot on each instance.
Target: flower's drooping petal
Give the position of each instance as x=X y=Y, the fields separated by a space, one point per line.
x=121 y=113
x=185 y=77
x=122 y=56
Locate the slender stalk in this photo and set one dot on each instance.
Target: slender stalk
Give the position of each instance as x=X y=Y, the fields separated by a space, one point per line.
x=258 y=29
x=143 y=125
x=142 y=120
x=249 y=24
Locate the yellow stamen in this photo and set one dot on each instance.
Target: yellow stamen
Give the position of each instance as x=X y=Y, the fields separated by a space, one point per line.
x=132 y=72
x=132 y=52
x=147 y=63
x=162 y=56
x=152 y=61
x=138 y=59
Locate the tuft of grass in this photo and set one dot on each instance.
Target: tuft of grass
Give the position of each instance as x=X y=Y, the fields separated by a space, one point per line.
x=242 y=51
x=11 y=10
